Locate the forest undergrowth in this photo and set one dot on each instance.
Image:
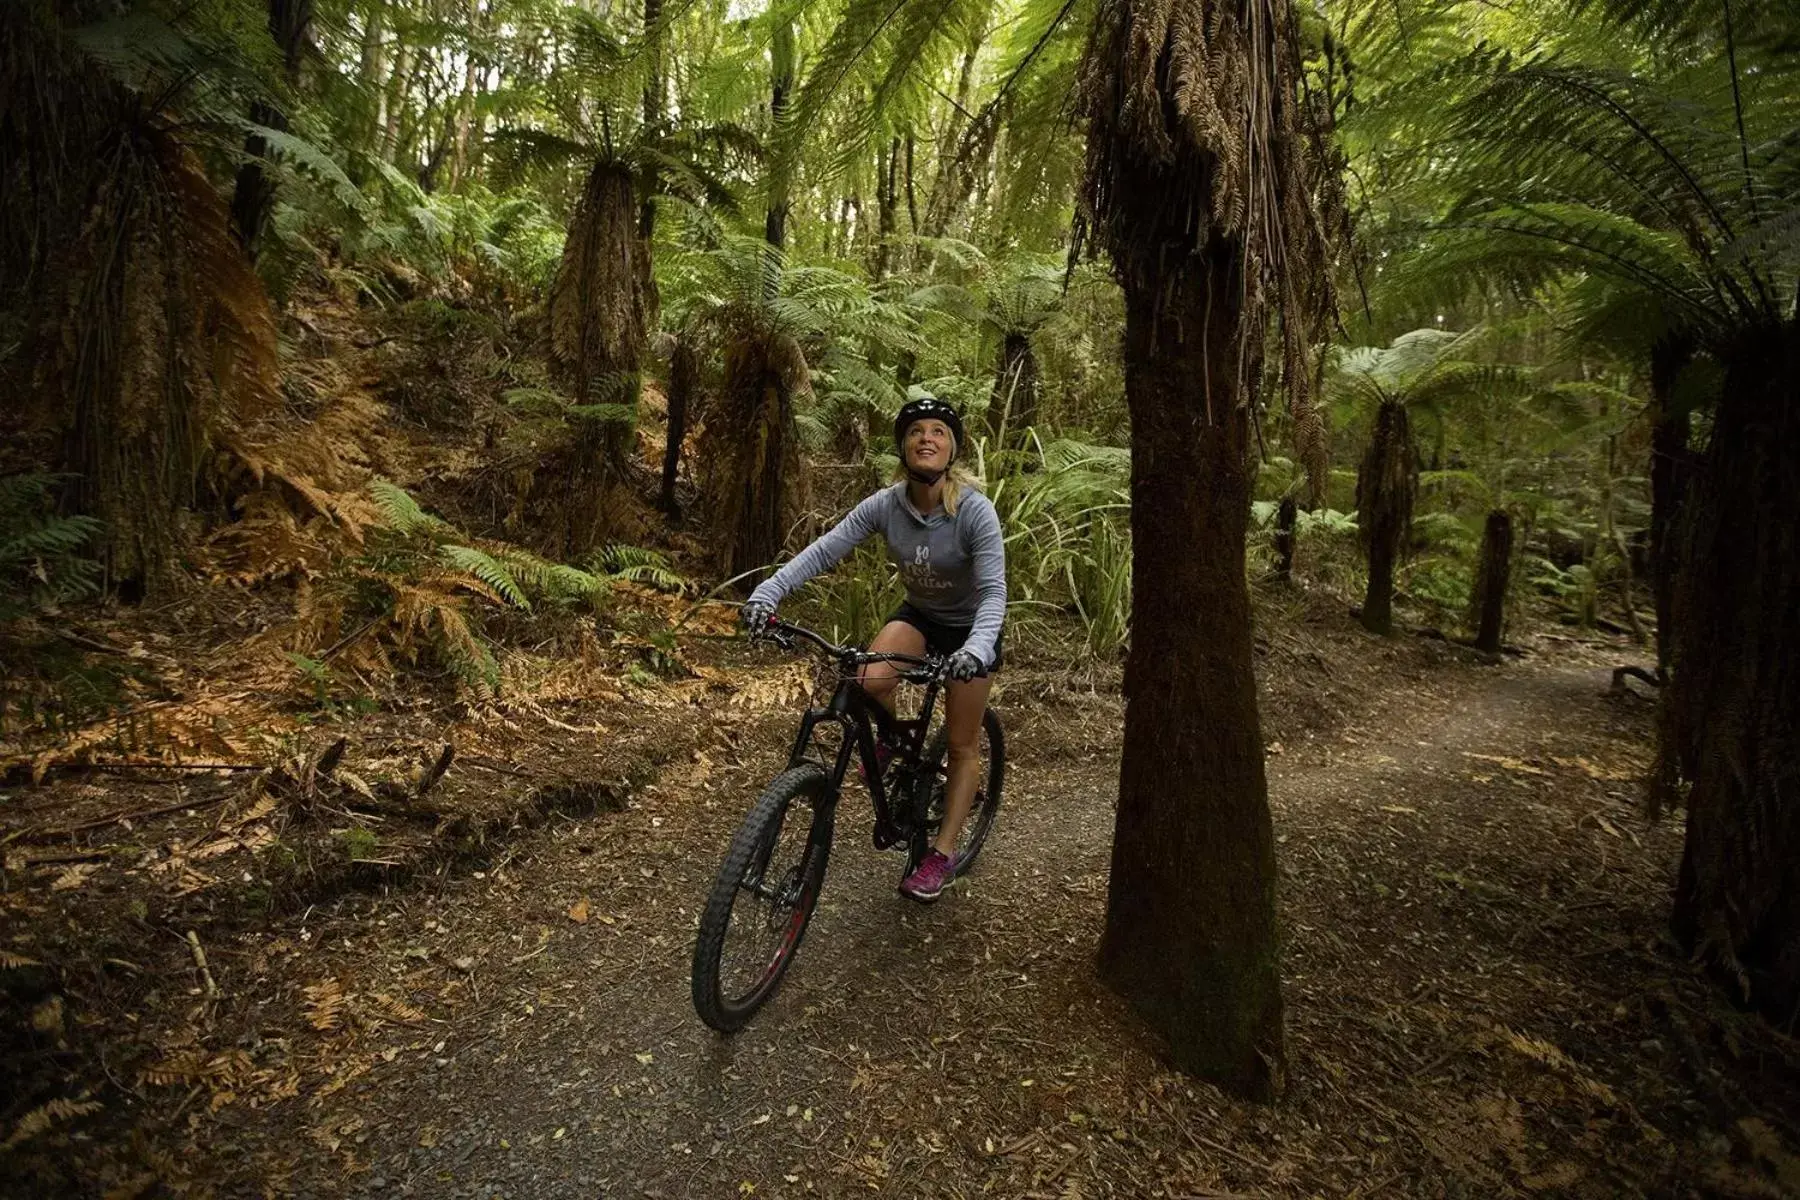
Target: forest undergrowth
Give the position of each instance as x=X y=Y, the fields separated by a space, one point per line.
x=365 y=968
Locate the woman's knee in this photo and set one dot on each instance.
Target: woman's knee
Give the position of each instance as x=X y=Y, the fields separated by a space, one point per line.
x=877 y=679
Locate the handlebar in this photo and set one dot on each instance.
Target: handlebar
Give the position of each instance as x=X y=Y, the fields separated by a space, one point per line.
x=783 y=633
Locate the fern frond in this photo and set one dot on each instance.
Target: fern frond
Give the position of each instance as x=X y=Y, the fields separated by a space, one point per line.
x=42 y=1118
x=485 y=568
x=399 y=511
x=639 y=565
x=313 y=158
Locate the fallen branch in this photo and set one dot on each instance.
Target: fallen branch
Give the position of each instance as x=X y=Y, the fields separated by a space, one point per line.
x=193 y=941
x=132 y=815
x=161 y=766
x=498 y=768
x=75 y=856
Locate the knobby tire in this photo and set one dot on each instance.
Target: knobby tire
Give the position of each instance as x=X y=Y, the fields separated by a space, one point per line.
x=798 y=789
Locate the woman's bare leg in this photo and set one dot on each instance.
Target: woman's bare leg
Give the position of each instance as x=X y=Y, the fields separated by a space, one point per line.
x=964 y=708
x=880 y=679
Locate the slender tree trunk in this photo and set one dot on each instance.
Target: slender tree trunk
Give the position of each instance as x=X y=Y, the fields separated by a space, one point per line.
x=465 y=109
x=253 y=196
x=684 y=376
x=1287 y=515
x=1492 y=580
x=399 y=88
x=781 y=84
x=370 y=79
x=650 y=182
x=1671 y=466
x=912 y=191
x=951 y=181
x=1730 y=744
x=1015 y=393
x=1386 y=484
x=1190 y=934
x=887 y=200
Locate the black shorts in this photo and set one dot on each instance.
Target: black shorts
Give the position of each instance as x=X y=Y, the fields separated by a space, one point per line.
x=947 y=639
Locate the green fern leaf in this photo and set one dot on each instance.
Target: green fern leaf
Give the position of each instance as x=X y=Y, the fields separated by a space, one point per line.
x=485 y=568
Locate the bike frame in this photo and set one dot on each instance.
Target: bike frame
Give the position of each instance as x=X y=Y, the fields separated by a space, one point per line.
x=861 y=717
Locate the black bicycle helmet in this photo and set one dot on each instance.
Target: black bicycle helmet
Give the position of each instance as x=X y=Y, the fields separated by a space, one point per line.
x=922 y=409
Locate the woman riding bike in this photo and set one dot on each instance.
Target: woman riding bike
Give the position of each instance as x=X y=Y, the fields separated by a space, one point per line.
x=944 y=536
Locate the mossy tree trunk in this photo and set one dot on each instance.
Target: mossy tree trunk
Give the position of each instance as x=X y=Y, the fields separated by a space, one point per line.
x=1190 y=931
x=1731 y=711
x=146 y=343
x=755 y=485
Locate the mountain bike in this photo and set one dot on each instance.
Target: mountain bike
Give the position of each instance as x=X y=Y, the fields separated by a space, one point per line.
x=765 y=893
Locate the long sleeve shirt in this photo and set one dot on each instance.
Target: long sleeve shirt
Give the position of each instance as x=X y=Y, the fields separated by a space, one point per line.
x=954 y=568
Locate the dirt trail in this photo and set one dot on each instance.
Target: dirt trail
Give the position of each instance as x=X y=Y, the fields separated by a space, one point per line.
x=1471 y=903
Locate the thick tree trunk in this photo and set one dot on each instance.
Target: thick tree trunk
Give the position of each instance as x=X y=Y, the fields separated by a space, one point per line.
x=597 y=336
x=752 y=457
x=1287 y=516
x=1671 y=466
x=1190 y=937
x=1492 y=579
x=1378 y=598
x=684 y=376
x=1731 y=713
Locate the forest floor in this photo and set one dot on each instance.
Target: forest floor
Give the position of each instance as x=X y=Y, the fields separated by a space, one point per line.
x=1480 y=997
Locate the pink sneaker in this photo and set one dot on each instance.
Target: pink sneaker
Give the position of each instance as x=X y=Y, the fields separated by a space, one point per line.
x=930 y=877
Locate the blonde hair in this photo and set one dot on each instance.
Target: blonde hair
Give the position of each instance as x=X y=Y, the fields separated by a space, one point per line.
x=956 y=480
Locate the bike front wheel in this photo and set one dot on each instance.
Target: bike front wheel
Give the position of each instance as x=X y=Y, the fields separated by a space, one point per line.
x=763 y=898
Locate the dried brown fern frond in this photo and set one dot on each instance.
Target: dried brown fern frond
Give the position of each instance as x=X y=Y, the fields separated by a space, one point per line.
x=326 y=1003
x=44 y=1117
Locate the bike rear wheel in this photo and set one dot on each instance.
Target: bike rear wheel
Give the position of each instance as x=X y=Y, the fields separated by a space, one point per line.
x=935 y=775
x=763 y=898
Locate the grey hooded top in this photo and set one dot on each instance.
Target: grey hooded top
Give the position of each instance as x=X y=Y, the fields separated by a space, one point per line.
x=954 y=568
